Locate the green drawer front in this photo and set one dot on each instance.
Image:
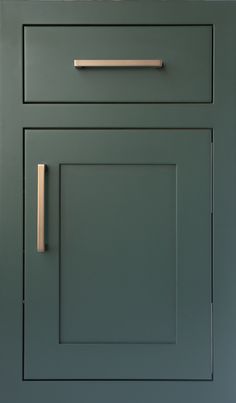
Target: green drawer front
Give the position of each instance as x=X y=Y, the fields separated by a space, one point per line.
x=50 y=76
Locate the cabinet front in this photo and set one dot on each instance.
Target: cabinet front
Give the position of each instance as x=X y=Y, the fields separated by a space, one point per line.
x=118 y=139
x=121 y=287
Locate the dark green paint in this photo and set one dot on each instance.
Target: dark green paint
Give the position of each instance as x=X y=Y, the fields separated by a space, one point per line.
x=17 y=116
x=185 y=50
x=135 y=209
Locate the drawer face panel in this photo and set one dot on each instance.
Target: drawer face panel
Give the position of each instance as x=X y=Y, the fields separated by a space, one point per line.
x=50 y=75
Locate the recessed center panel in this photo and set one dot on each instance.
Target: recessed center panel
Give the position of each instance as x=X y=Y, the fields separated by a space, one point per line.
x=117 y=253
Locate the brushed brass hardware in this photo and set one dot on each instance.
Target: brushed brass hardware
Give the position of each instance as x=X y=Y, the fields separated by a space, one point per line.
x=41 y=208
x=79 y=63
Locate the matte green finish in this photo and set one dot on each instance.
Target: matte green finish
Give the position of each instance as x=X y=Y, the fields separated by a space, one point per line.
x=51 y=77
x=118 y=253
x=123 y=269
x=15 y=116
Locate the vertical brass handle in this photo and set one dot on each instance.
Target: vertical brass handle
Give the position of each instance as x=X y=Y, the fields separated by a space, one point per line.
x=41 y=208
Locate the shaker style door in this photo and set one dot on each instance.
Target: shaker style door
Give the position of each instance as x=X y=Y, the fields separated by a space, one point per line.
x=118 y=254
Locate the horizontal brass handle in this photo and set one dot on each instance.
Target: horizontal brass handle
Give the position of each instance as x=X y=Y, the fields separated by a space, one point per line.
x=79 y=63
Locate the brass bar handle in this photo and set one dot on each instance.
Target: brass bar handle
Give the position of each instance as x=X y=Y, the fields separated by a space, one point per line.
x=79 y=63
x=41 y=208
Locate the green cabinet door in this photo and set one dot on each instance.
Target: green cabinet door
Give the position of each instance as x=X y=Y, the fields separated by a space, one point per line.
x=123 y=289
x=134 y=298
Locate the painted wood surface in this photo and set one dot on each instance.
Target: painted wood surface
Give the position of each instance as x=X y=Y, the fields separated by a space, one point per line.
x=21 y=120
